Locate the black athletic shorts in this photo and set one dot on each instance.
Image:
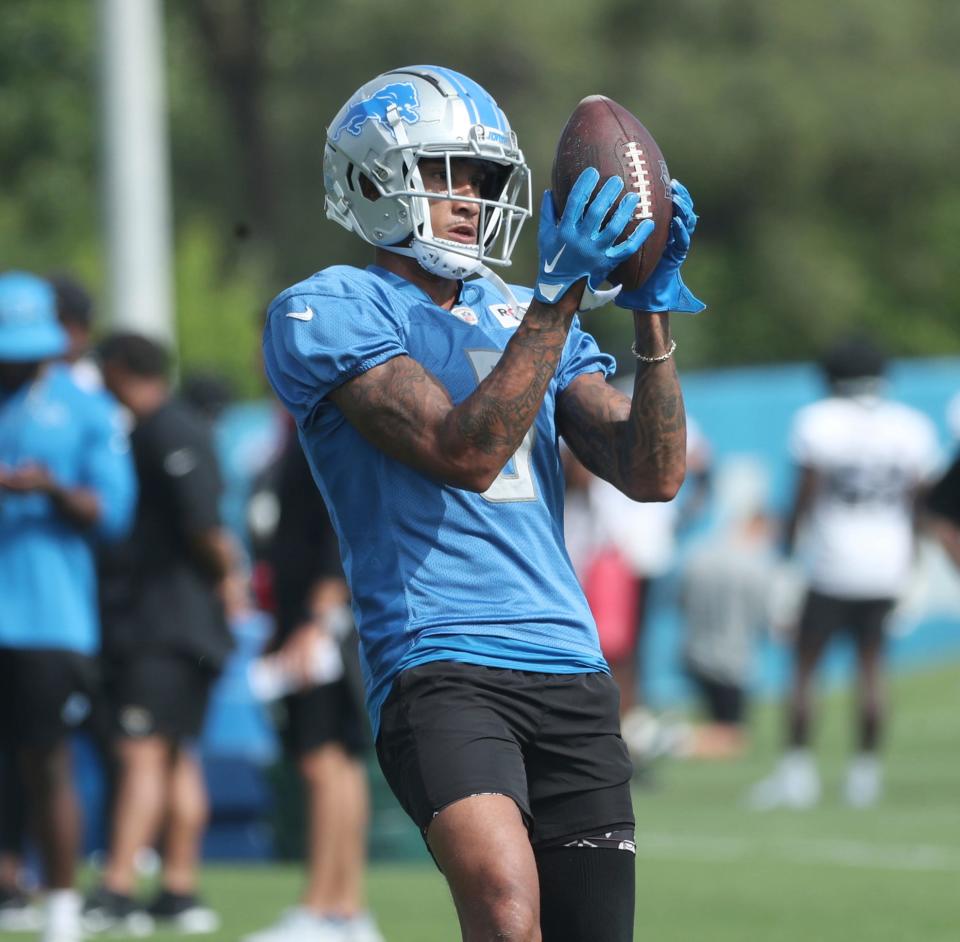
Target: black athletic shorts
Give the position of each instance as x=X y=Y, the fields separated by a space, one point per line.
x=551 y=742
x=725 y=702
x=826 y=615
x=156 y=694
x=45 y=694
x=326 y=714
x=330 y=713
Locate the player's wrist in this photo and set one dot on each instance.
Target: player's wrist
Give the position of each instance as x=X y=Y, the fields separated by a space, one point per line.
x=555 y=313
x=652 y=337
x=652 y=341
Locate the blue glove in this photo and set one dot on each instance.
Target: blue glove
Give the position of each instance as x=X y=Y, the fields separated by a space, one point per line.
x=664 y=290
x=577 y=247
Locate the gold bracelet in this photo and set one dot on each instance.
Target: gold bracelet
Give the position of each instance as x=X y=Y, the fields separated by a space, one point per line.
x=659 y=359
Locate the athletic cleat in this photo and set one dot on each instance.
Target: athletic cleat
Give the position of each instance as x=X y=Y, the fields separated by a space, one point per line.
x=301 y=925
x=184 y=912
x=794 y=784
x=17 y=912
x=864 y=782
x=116 y=913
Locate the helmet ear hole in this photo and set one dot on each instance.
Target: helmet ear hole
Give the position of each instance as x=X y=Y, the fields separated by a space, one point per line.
x=368 y=188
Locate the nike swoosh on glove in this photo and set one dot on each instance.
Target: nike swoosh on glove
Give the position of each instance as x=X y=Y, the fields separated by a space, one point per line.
x=579 y=245
x=664 y=290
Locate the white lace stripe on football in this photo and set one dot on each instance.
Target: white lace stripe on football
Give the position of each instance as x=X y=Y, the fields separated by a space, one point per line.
x=640 y=179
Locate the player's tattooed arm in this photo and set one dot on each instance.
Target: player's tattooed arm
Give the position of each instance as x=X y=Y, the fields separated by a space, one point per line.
x=407 y=412
x=639 y=446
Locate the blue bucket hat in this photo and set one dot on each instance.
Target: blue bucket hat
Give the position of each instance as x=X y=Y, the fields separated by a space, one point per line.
x=29 y=329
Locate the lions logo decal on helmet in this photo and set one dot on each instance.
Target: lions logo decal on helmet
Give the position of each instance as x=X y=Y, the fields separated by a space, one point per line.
x=401 y=96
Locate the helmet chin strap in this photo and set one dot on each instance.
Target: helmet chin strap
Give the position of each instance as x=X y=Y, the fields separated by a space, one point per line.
x=503 y=287
x=453 y=265
x=447 y=263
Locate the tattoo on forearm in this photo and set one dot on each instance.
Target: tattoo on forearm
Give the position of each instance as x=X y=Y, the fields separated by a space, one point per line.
x=398 y=407
x=499 y=413
x=631 y=445
x=389 y=408
x=659 y=427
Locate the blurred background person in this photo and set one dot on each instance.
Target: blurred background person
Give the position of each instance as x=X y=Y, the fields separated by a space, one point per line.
x=207 y=392
x=725 y=603
x=322 y=718
x=165 y=642
x=75 y=313
x=860 y=459
x=65 y=478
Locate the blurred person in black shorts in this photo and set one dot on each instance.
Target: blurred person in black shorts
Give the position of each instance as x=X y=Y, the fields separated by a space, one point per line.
x=74 y=310
x=66 y=483
x=165 y=642
x=324 y=726
x=862 y=460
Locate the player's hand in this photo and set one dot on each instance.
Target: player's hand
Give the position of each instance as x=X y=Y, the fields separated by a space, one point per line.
x=27 y=479
x=664 y=290
x=297 y=653
x=578 y=245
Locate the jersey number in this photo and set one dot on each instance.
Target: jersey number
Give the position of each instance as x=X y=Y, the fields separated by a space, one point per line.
x=515 y=481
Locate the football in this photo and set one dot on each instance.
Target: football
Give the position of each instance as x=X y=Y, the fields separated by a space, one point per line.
x=603 y=134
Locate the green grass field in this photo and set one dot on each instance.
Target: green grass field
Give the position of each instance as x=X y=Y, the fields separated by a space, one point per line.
x=709 y=869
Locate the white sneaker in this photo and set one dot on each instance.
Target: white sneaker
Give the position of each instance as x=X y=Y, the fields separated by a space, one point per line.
x=61 y=917
x=301 y=925
x=864 y=782
x=363 y=928
x=793 y=784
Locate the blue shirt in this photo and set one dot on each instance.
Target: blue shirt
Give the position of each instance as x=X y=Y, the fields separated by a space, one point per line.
x=47 y=574
x=436 y=572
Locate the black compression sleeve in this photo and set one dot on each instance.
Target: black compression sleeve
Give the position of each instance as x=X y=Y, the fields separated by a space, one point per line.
x=586 y=894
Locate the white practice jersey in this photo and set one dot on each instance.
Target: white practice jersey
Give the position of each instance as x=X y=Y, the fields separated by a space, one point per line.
x=869 y=454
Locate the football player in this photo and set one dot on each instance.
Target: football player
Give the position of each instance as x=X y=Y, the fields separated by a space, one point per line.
x=430 y=407
x=861 y=459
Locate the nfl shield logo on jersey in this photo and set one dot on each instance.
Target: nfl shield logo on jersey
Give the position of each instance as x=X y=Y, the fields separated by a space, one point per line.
x=466 y=314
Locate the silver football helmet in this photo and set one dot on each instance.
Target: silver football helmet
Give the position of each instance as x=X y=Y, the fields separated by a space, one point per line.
x=381 y=134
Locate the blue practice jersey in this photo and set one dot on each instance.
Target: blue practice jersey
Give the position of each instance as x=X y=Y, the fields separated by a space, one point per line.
x=436 y=572
x=48 y=582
